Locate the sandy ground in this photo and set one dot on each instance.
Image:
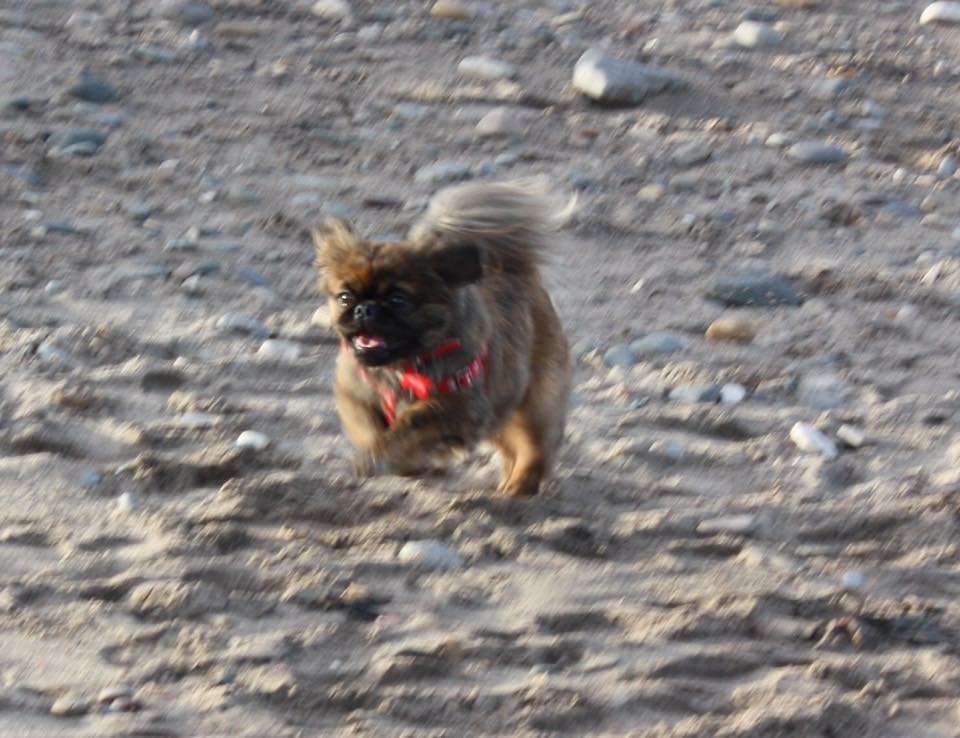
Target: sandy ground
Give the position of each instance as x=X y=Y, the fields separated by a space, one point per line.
x=157 y=581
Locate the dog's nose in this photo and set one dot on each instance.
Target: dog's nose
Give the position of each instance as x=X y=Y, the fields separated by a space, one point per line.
x=365 y=311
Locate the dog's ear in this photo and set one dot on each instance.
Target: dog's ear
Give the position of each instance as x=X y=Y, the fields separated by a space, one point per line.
x=457 y=264
x=333 y=241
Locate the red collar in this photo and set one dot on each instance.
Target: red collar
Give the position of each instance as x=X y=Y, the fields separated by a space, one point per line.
x=419 y=386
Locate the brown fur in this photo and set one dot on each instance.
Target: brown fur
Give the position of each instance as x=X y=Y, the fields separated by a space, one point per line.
x=471 y=265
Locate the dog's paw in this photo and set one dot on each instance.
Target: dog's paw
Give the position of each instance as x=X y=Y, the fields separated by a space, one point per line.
x=367 y=465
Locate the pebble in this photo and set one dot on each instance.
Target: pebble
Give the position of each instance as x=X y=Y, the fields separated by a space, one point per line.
x=754 y=290
x=658 y=343
x=155 y=54
x=695 y=152
x=651 y=192
x=816 y=152
x=253 y=440
x=180 y=244
x=443 y=172
x=732 y=394
x=186 y=12
x=118 y=692
x=942 y=12
x=808 y=438
x=827 y=89
x=691 y=394
x=242 y=323
x=92 y=90
x=128 y=502
x=451 y=10
x=737 y=525
x=498 y=122
x=52 y=354
x=948 y=167
x=610 y=80
x=853 y=580
x=486 y=68
x=755 y=35
x=331 y=9
x=69 y=706
x=619 y=355
x=90 y=479
x=193 y=285
x=430 y=554
x=822 y=391
x=734 y=330
x=851 y=436
x=54 y=287
x=77 y=142
x=138 y=209
x=276 y=348
x=780 y=140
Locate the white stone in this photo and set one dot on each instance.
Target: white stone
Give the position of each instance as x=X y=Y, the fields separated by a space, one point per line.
x=192 y=285
x=498 y=122
x=486 y=68
x=127 y=502
x=195 y=420
x=331 y=9
x=732 y=394
x=851 y=436
x=754 y=35
x=942 y=12
x=52 y=354
x=807 y=438
x=276 y=348
x=430 y=554
x=738 y=525
x=253 y=440
x=611 y=80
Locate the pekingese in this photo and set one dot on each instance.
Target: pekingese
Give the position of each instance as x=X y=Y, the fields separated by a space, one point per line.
x=449 y=338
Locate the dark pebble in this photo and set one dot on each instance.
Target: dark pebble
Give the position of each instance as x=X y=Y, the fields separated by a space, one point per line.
x=755 y=291
x=92 y=90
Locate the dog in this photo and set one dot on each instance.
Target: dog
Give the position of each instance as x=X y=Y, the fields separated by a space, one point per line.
x=449 y=337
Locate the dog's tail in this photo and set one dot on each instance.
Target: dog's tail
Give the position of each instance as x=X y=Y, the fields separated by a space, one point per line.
x=510 y=221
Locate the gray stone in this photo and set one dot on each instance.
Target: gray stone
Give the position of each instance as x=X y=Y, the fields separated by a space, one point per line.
x=280 y=350
x=755 y=290
x=241 y=323
x=755 y=35
x=948 y=167
x=186 y=12
x=619 y=355
x=155 y=54
x=430 y=554
x=691 y=394
x=816 y=152
x=694 y=152
x=92 y=90
x=486 y=68
x=443 y=172
x=827 y=89
x=180 y=244
x=822 y=391
x=658 y=343
x=610 y=80
x=900 y=210
x=77 y=141
x=732 y=393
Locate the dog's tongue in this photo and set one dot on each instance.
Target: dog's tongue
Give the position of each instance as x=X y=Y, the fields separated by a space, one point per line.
x=366 y=341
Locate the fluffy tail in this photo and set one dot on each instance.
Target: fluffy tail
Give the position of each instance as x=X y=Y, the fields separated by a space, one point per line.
x=509 y=220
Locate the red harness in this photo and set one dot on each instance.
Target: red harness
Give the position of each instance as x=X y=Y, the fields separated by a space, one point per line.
x=419 y=386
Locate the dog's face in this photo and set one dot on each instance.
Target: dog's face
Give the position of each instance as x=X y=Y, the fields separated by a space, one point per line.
x=391 y=301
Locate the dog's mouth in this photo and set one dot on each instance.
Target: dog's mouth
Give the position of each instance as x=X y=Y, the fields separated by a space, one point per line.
x=368 y=342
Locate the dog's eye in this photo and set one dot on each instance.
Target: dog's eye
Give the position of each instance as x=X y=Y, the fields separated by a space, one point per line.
x=399 y=301
x=345 y=298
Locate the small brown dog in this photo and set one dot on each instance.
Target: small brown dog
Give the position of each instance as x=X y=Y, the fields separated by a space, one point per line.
x=450 y=338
